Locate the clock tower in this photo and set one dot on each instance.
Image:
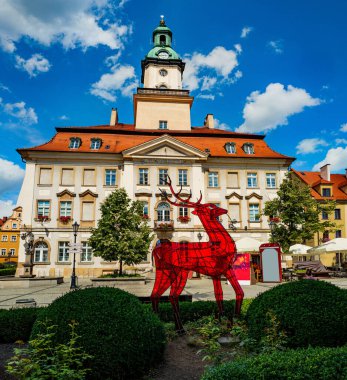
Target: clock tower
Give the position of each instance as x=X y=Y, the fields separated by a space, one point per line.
x=162 y=103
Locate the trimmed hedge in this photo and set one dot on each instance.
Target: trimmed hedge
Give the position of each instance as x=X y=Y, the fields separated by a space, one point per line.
x=9 y=271
x=123 y=337
x=311 y=363
x=16 y=324
x=310 y=312
x=192 y=311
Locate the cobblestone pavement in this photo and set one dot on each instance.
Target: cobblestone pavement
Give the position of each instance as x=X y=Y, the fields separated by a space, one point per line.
x=200 y=289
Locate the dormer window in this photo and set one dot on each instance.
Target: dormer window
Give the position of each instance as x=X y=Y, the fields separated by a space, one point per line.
x=162 y=124
x=95 y=143
x=75 y=143
x=248 y=148
x=230 y=147
x=326 y=192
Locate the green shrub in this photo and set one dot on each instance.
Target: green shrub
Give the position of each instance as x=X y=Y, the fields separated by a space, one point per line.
x=43 y=359
x=309 y=313
x=124 y=339
x=10 y=271
x=192 y=311
x=312 y=363
x=16 y=324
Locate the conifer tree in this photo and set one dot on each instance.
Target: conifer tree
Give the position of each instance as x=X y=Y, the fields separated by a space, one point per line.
x=122 y=234
x=296 y=214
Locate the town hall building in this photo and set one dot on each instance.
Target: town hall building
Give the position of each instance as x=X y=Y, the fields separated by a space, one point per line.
x=67 y=178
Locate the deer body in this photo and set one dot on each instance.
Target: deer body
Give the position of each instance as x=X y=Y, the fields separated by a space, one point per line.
x=215 y=258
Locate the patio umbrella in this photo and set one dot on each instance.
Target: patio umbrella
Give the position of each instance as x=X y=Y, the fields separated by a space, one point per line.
x=247 y=244
x=338 y=245
x=299 y=249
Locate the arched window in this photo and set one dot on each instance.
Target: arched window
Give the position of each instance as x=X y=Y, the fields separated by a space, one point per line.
x=230 y=147
x=248 y=148
x=162 y=39
x=163 y=211
x=41 y=252
x=75 y=143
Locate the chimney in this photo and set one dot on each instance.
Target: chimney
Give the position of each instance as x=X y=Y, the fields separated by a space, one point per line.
x=325 y=172
x=209 y=122
x=114 y=116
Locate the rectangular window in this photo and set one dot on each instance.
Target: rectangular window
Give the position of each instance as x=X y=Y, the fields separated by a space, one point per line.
x=183 y=212
x=14 y=225
x=271 y=180
x=162 y=124
x=67 y=177
x=88 y=177
x=162 y=176
x=254 y=213
x=213 y=179
x=95 y=144
x=86 y=252
x=252 y=180
x=235 y=212
x=145 y=209
x=143 y=176
x=87 y=211
x=3 y=251
x=12 y=251
x=65 y=208
x=183 y=177
x=337 y=213
x=13 y=238
x=43 y=208
x=110 y=177
x=4 y=238
x=338 y=234
x=63 y=250
x=45 y=176
x=232 y=180
x=325 y=215
x=326 y=192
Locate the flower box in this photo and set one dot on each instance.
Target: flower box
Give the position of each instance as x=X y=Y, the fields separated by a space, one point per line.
x=65 y=219
x=42 y=218
x=184 y=219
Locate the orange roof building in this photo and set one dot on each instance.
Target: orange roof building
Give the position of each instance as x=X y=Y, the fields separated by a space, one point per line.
x=69 y=176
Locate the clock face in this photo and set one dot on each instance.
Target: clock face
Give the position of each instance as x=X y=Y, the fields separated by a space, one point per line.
x=163 y=55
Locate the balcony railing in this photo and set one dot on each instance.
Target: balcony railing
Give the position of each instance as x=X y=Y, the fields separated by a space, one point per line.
x=164 y=225
x=162 y=91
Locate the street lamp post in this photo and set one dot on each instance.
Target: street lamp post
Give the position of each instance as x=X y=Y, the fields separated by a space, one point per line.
x=272 y=226
x=73 y=285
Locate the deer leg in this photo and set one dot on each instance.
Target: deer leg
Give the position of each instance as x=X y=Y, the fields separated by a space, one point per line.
x=176 y=289
x=230 y=275
x=218 y=293
x=162 y=282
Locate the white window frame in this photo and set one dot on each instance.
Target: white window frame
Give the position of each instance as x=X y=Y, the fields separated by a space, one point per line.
x=230 y=148
x=110 y=177
x=213 y=180
x=41 y=249
x=87 y=252
x=43 y=209
x=143 y=176
x=183 y=211
x=12 y=252
x=4 y=238
x=3 y=252
x=65 y=208
x=183 y=177
x=163 y=212
x=75 y=143
x=248 y=148
x=163 y=123
x=13 y=238
x=252 y=180
x=95 y=143
x=63 y=252
x=271 y=180
x=162 y=175
x=253 y=211
x=145 y=210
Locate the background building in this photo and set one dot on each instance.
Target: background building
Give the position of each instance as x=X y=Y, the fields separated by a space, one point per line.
x=10 y=236
x=68 y=177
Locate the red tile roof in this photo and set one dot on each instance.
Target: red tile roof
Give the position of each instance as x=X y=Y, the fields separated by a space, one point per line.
x=116 y=139
x=313 y=179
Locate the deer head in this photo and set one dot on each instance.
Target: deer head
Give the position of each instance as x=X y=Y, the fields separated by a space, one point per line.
x=200 y=209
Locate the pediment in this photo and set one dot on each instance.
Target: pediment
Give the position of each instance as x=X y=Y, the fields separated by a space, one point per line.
x=253 y=195
x=66 y=192
x=166 y=147
x=234 y=195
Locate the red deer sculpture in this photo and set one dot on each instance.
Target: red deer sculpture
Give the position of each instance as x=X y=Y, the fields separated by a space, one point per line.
x=215 y=258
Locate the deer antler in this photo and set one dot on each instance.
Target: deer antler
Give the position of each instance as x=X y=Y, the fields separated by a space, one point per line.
x=186 y=201
x=165 y=194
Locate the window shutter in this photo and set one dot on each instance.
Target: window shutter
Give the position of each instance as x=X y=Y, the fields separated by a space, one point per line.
x=235 y=211
x=87 y=211
x=67 y=177
x=45 y=176
x=232 y=180
x=89 y=177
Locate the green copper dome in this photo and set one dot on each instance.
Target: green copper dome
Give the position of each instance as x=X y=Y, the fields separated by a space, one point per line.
x=162 y=40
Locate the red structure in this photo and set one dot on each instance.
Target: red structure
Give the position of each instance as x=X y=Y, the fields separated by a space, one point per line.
x=215 y=258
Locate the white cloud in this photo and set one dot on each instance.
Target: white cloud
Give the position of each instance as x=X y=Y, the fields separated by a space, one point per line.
x=4 y=88
x=63 y=117
x=219 y=125
x=341 y=141
x=77 y=23
x=266 y=111
x=33 y=66
x=19 y=111
x=208 y=83
x=11 y=175
x=121 y=79
x=306 y=146
x=299 y=163
x=6 y=208
x=206 y=96
x=343 y=127
x=245 y=31
x=219 y=63
x=276 y=46
x=336 y=157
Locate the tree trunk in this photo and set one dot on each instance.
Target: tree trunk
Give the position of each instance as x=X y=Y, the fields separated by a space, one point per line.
x=120 y=267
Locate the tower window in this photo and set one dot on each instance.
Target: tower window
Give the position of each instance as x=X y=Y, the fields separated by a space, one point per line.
x=162 y=40
x=162 y=124
x=163 y=72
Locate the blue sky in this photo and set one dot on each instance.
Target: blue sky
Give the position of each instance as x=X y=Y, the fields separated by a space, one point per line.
x=273 y=67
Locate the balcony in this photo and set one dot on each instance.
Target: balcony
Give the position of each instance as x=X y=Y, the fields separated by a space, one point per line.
x=164 y=225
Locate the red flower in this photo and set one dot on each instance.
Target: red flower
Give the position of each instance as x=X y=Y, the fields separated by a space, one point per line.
x=275 y=220
x=145 y=216
x=65 y=219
